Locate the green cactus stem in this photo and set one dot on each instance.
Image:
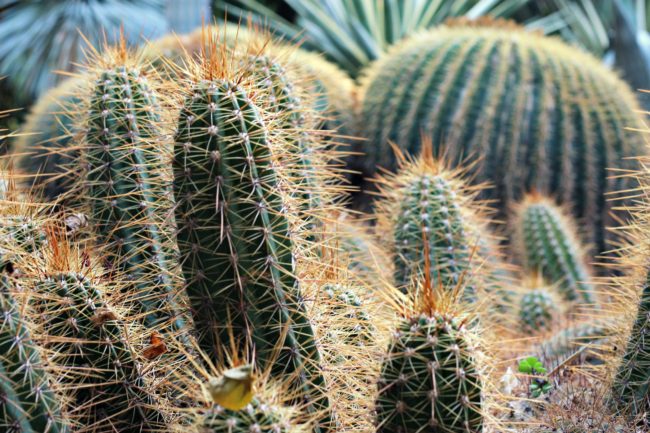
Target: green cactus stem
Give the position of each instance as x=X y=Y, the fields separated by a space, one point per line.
x=429 y=379
x=548 y=243
x=27 y=402
x=128 y=185
x=91 y=349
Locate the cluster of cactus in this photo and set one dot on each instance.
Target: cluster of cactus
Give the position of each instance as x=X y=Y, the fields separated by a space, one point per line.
x=530 y=107
x=213 y=196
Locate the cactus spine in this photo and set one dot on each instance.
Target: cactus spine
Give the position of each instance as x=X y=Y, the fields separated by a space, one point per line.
x=47 y=148
x=257 y=417
x=548 y=243
x=238 y=243
x=89 y=344
x=429 y=380
x=632 y=382
x=27 y=403
x=128 y=186
x=541 y=114
x=537 y=310
x=428 y=207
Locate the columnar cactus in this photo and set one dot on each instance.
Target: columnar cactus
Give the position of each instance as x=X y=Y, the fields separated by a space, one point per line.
x=632 y=382
x=90 y=345
x=429 y=380
x=542 y=115
x=128 y=186
x=428 y=208
x=238 y=240
x=27 y=402
x=537 y=310
x=548 y=243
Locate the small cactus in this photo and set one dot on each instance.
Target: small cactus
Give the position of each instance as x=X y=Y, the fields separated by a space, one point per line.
x=429 y=380
x=538 y=307
x=548 y=243
x=27 y=402
x=90 y=346
x=429 y=208
x=256 y=417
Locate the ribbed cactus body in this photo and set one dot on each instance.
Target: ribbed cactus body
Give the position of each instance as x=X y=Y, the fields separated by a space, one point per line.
x=429 y=380
x=632 y=382
x=547 y=243
x=27 y=403
x=22 y=232
x=47 y=149
x=129 y=189
x=540 y=114
x=568 y=342
x=90 y=346
x=236 y=238
x=358 y=329
x=428 y=208
x=256 y=417
x=537 y=310
x=283 y=100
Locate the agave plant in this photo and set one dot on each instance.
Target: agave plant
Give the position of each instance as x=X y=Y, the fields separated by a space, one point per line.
x=354 y=32
x=41 y=36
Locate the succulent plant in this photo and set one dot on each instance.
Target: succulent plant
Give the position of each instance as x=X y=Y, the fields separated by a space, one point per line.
x=128 y=185
x=427 y=208
x=548 y=243
x=536 y=310
x=573 y=341
x=45 y=150
x=632 y=382
x=540 y=114
x=239 y=244
x=27 y=402
x=90 y=345
x=429 y=380
x=256 y=416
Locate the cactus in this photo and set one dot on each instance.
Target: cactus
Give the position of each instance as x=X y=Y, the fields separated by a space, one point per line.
x=27 y=402
x=542 y=115
x=537 y=310
x=632 y=382
x=357 y=329
x=239 y=245
x=46 y=150
x=429 y=380
x=256 y=417
x=428 y=207
x=572 y=341
x=334 y=89
x=90 y=345
x=22 y=232
x=548 y=243
x=129 y=187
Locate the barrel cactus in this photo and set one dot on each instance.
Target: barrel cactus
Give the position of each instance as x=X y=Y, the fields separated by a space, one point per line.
x=27 y=402
x=47 y=149
x=238 y=235
x=128 y=184
x=541 y=115
x=256 y=417
x=547 y=241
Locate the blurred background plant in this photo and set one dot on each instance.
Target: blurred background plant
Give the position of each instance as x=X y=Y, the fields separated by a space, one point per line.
x=351 y=33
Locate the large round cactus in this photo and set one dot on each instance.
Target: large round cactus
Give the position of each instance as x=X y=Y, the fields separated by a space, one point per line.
x=541 y=115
